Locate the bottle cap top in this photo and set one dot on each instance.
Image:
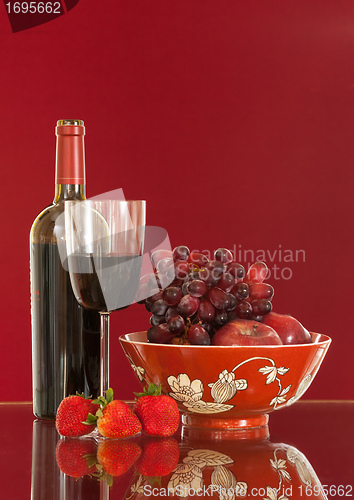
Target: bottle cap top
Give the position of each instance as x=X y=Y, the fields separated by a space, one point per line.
x=70 y=122
x=70 y=127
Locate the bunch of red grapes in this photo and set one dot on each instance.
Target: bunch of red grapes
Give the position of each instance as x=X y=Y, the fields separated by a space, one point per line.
x=202 y=295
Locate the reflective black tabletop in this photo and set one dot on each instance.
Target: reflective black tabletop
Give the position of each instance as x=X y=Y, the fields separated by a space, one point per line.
x=307 y=452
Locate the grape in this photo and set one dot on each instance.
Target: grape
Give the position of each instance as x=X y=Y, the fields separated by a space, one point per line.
x=226 y=282
x=197 y=288
x=243 y=309
x=172 y=295
x=185 y=288
x=208 y=277
x=155 y=295
x=163 y=265
x=256 y=318
x=157 y=320
x=159 y=307
x=261 y=307
x=209 y=328
x=176 y=324
x=181 y=253
x=218 y=298
x=159 y=334
x=206 y=311
x=220 y=318
x=193 y=274
x=198 y=258
x=171 y=311
x=188 y=306
x=237 y=270
x=261 y=291
x=216 y=267
x=256 y=273
x=240 y=291
x=177 y=282
x=232 y=315
x=223 y=255
x=232 y=302
x=197 y=335
x=159 y=255
x=181 y=269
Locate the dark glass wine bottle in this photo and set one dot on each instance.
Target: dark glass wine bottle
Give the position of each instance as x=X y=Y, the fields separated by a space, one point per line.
x=65 y=336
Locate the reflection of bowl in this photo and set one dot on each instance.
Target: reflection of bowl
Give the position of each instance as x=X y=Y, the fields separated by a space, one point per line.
x=227 y=387
x=229 y=470
x=249 y=468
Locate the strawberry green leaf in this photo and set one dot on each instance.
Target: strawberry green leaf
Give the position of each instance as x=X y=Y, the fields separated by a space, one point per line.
x=91 y=420
x=100 y=401
x=91 y=459
x=139 y=394
x=153 y=390
x=154 y=480
x=109 y=395
x=99 y=413
x=109 y=479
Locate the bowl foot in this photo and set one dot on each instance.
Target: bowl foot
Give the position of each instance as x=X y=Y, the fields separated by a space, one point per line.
x=211 y=422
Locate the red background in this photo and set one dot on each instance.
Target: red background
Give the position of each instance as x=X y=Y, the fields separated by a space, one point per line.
x=234 y=120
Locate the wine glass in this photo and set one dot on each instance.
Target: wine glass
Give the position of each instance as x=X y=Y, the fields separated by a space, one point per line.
x=104 y=246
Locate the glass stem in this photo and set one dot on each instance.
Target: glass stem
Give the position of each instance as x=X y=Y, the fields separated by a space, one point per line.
x=104 y=352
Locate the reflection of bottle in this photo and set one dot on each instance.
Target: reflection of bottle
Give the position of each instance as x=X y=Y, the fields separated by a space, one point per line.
x=45 y=472
x=65 y=337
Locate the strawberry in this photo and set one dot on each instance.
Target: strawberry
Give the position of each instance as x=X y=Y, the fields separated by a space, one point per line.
x=116 y=457
x=160 y=457
x=76 y=457
x=71 y=415
x=114 y=419
x=157 y=413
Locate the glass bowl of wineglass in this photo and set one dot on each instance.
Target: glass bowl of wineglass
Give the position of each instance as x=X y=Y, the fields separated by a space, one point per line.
x=104 y=250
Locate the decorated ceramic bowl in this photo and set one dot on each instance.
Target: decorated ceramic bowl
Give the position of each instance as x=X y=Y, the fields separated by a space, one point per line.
x=230 y=387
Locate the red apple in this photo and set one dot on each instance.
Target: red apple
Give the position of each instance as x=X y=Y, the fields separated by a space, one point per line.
x=245 y=332
x=289 y=329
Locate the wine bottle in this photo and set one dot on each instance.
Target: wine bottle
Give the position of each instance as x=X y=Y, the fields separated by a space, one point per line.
x=65 y=336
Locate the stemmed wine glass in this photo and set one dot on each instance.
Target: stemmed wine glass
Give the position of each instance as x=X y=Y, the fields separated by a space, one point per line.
x=104 y=246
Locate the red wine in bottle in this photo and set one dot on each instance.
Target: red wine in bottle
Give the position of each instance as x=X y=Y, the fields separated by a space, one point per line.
x=65 y=336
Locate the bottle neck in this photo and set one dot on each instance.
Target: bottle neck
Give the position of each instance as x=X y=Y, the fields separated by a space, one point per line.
x=70 y=155
x=65 y=192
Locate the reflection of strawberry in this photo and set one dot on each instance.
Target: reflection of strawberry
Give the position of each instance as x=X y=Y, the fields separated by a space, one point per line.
x=159 y=458
x=71 y=414
x=158 y=414
x=76 y=457
x=116 y=457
